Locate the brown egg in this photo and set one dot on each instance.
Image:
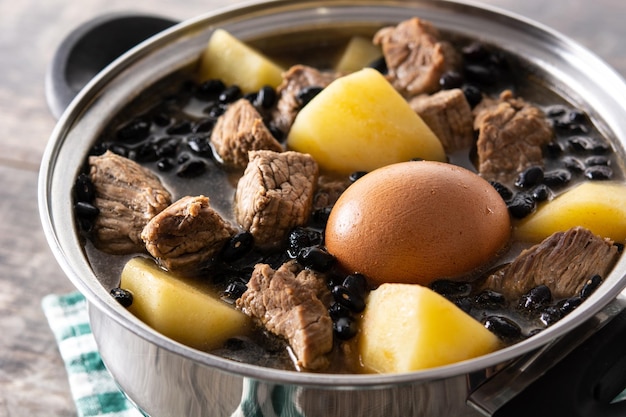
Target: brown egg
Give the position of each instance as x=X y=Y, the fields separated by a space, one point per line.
x=414 y=222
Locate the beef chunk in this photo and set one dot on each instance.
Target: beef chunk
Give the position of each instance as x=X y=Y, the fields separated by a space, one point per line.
x=289 y=303
x=239 y=130
x=128 y=196
x=275 y=194
x=449 y=116
x=416 y=57
x=512 y=134
x=187 y=234
x=563 y=262
x=328 y=191
x=296 y=79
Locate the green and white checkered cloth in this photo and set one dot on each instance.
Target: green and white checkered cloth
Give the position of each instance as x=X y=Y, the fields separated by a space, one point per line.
x=93 y=389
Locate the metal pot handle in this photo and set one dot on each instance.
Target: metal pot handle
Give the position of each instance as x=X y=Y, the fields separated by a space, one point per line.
x=90 y=47
x=577 y=375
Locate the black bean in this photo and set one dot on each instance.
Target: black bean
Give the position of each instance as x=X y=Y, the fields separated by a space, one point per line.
x=553 y=149
x=118 y=149
x=535 y=298
x=86 y=210
x=338 y=310
x=215 y=109
x=449 y=288
x=356 y=175
x=251 y=97
x=550 y=315
x=183 y=157
x=556 y=111
x=464 y=303
x=161 y=119
x=319 y=217
x=200 y=144
x=307 y=94
x=540 y=193
x=356 y=284
x=234 y=344
x=597 y=160
x=573 y=164
x=237 y=246
x=568 y=305
x=278 y=134
x=599 y=172
x=300 y=238
x=266 y=97
x=504 y=191
x=521 y=205
x=567 y=126
x=84 y=189
x=235 y=290
x=124 y=297
x=316 y=258
x=619 y=246
x=379 y=65
x=588 y=144
x=205 y=125
x=503 y=327
x=167 y=146
x=490 y=299
x=192 y=168
x=345 y=328
x=230 y=94
x=557 y=177
x=165 y=164
x=180 y=128
x=481 y=74
x=590 y=286
x=342 y=295
x=475 y=52
x=529 y=177
x=210 y=89
x=134 y=131
x=473 y=95
x=450 y=80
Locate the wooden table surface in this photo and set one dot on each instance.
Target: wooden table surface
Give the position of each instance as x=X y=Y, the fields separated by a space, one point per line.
x=33 y=381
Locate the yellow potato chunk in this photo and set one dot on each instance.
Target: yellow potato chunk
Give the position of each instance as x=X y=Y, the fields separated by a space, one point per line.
x=179 y=308
x=408 y=327
x=359 y=122
x=234 y=62
x=359 y=53
x=597 y=206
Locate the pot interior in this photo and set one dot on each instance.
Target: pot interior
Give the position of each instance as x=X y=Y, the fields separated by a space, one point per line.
x=566 y=69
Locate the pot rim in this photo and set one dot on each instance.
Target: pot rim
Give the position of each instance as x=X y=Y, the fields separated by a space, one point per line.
x=55 y=214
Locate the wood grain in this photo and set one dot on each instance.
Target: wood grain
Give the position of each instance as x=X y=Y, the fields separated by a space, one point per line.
x=32 y=377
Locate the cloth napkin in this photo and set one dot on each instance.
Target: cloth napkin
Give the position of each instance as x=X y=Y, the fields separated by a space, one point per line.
x=92 y=386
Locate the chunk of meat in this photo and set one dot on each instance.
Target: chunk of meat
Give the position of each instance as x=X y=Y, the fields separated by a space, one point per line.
x=240 y=130
x=295 y=79
x=512 y=134
x=449 y=116
x=275 y=194
x=288 y=302
x=127 y=196
x=416 y=57
x=328 y=191
x=563 y=262
x=187 y=234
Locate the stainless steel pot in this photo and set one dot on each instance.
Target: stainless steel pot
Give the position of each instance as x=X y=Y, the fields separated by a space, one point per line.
x=165 y=378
